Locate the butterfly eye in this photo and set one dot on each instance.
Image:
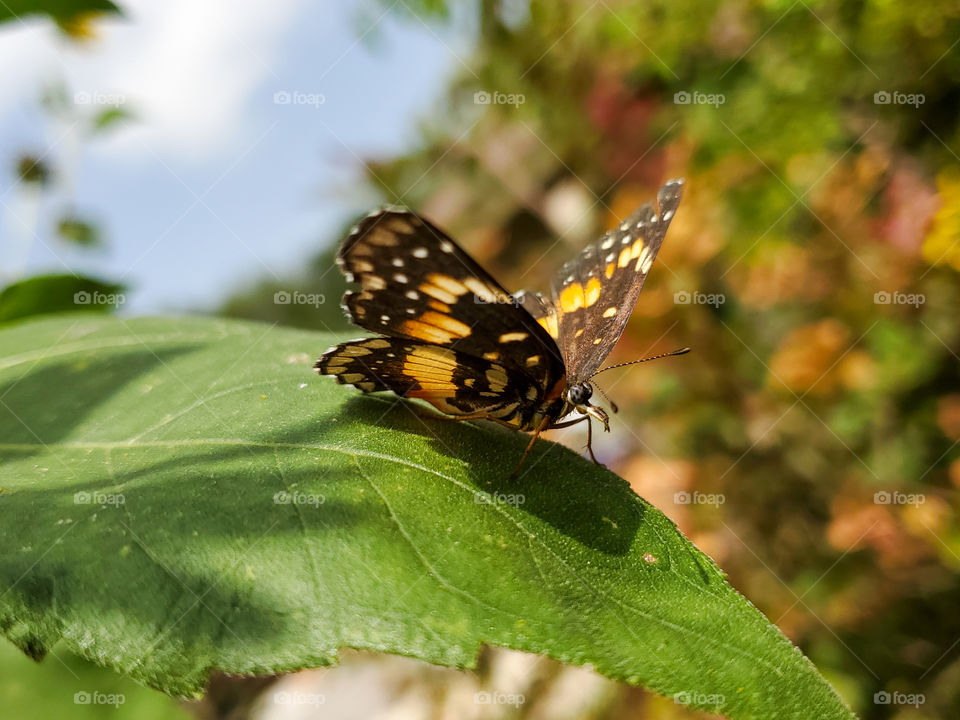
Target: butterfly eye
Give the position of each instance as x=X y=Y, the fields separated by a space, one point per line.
x=579 y=394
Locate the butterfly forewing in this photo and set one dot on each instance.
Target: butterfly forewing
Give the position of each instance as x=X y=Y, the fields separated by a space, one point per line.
x=595 y=293
x=417 y=283
x=541 y=309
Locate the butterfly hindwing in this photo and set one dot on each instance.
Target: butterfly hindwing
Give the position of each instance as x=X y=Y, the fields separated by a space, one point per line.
x=453 y=382
x=595 y=292
x=417 y=284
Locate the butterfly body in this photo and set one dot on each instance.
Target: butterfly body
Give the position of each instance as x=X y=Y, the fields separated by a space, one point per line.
x=450 y=335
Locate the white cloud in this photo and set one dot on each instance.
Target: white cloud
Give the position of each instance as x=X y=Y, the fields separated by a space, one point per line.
x=186 y=69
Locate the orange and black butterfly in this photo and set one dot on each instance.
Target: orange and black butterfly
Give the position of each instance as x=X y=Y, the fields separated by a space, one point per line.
x=451 y=335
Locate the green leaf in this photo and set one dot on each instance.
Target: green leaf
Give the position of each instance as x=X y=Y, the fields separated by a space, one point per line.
x=185 y=494
x=60 y=10
x=58 y=293
x=30 y=690
x=110 y=117
x=78 y=232
x=32 y=170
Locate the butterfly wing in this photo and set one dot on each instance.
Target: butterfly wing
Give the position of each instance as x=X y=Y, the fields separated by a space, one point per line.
x=455 y=337
x=417 y=284
x=595 y=292
x=453 y=382
x=541 y=309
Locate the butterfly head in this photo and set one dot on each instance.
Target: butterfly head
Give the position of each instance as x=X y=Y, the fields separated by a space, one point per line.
x=579 y=397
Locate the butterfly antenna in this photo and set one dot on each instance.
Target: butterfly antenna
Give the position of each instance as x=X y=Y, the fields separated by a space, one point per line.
x=613 y=406
x=681 y=351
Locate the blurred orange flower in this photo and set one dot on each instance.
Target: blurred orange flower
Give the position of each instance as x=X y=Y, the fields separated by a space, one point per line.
x=807 y=359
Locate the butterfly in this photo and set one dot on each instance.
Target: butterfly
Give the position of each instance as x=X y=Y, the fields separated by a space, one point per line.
x=449 y=334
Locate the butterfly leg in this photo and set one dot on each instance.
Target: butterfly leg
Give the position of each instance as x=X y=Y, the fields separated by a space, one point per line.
x=567 y=423
x=590 y=443
x=540 y=428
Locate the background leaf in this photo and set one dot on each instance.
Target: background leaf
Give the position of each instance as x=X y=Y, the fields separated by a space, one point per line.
x=184 y=494
x=59 y=10
x=45 y=294
x=77 y=231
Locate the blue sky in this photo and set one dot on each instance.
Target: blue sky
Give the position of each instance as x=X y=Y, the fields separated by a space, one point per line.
x=216 y=183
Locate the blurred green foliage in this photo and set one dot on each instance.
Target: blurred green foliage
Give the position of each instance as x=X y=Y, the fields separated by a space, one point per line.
x=40 y=187
x=74 y=17
x=32 y=690
x=43 y=294
x=77 y=231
